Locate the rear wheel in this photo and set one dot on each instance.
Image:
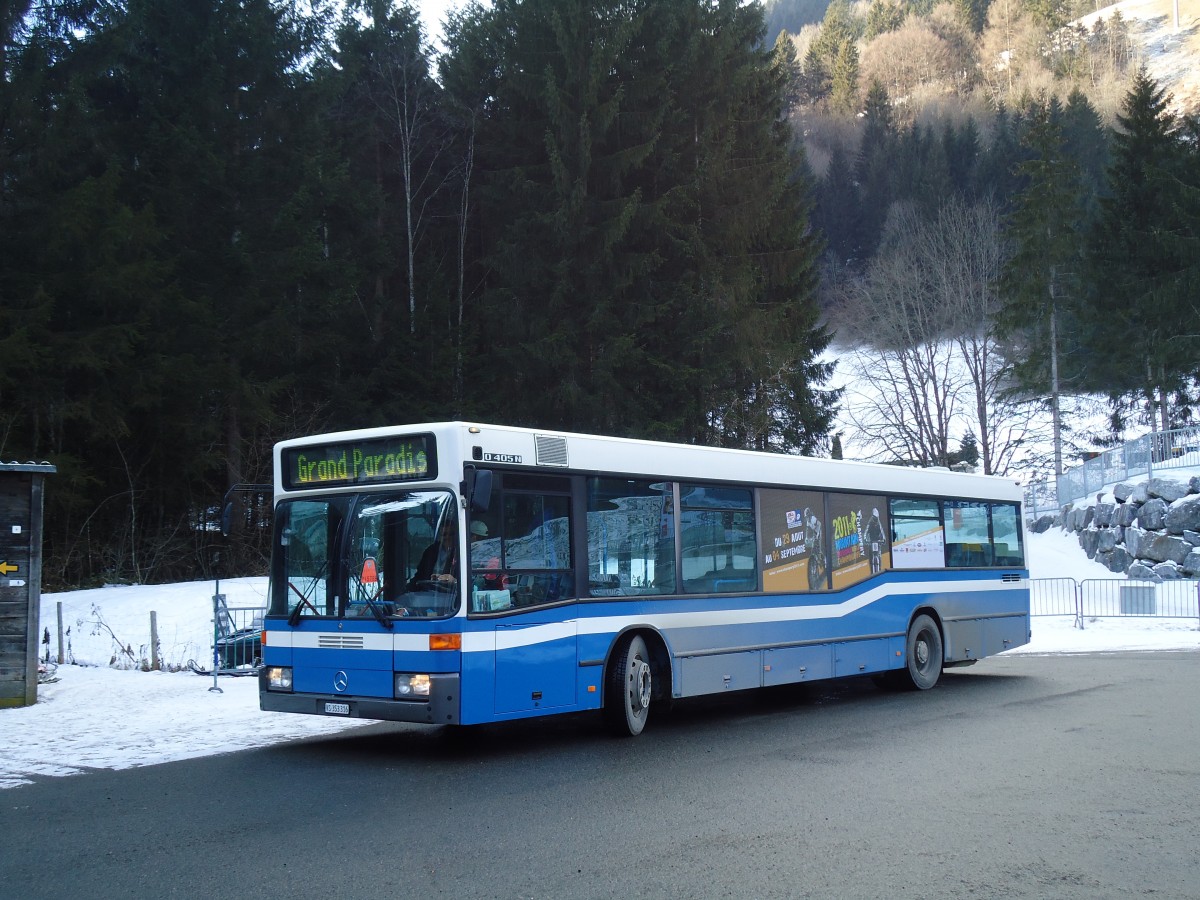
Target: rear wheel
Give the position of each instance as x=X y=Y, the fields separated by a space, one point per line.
x=628 y=688
x=923 y=655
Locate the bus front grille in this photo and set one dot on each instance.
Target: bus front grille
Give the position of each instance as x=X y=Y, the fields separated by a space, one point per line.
x=340 y=641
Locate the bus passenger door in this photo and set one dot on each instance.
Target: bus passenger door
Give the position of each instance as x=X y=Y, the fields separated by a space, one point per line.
x=536 y=662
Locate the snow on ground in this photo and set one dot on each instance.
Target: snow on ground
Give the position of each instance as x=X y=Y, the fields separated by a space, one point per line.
x=1170 y=53
x=98 y=716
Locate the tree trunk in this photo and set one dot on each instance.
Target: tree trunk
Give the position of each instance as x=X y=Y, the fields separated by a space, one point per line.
x=1055 y=398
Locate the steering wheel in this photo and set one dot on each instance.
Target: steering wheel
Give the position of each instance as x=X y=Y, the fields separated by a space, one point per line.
x=429 y=584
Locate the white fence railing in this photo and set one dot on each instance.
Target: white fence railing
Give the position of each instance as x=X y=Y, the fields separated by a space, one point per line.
x=1099 y=598
x=1159 y=451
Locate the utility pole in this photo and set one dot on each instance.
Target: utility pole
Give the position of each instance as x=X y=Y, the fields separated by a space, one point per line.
x=1055 y=396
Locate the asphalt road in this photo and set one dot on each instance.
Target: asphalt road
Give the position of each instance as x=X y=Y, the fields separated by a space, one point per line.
x=1067 y=776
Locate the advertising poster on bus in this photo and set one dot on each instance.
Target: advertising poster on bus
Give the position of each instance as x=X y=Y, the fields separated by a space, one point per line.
x=858 y=532
x=792 y=541
x=922 y=550
x=920 y=543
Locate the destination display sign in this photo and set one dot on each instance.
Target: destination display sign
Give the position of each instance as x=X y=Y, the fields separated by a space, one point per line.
x=374 y=461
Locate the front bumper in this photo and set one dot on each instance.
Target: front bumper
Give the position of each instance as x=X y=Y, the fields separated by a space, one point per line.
x=442 y=707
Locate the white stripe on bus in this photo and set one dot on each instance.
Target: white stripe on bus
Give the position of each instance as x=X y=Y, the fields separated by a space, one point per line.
x=506 y=637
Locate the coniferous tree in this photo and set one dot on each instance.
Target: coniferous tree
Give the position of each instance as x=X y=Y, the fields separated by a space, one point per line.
x=874 y=167
x=563 y=214
x=208 y=95
x=788 y=64
x=1136 y=266
x=83 y=292
x=1050 y=14
x=960 y=146
x=921 y=172
x=181 y=206
x=837 y=27
x=837 y=209
x=1086 y=141
x=884 y=16
x=390 y=147
x=636 y=288
x=968 y=450
x=997 y=171
x=972 y=14
x=1183 y=240
x=1041 y=282
x=843 y=96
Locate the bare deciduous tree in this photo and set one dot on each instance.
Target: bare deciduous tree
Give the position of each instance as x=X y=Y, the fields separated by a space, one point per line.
x=905 y=59
x=932 y=364
x=966 y=252
x=914 y=387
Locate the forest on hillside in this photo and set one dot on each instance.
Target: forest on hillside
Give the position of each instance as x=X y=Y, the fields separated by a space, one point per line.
x=229 y=223
x=1009 y=210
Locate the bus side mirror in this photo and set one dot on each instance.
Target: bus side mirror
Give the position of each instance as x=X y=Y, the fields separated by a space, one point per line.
x=477 y=488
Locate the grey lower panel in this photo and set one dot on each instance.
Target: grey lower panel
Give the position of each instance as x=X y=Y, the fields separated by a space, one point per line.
x=971 y=639
x=712 y=673
x=442 y=708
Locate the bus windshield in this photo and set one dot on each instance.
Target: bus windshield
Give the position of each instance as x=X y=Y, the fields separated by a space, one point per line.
x=381 y=555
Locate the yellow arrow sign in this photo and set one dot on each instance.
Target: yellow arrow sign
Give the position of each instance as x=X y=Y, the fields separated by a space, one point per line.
x=7 y=569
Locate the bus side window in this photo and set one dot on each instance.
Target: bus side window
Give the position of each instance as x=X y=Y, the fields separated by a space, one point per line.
x=1006 y=536
x=523 y=555
x=630 y=536
x=968 y=534
x=719 y=547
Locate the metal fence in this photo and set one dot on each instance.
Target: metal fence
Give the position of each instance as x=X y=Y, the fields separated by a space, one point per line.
x=1103 y=598
x=1156 y=452
x=1053 y=597
x=1041 y=497
x=237 y=635
x=1100 y=598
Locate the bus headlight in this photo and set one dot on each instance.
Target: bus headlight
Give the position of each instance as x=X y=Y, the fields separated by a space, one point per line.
x=411 y=687
x=279 y=678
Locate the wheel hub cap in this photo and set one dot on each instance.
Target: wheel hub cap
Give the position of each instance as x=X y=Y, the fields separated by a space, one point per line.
x=640 y=693
x=922 y=653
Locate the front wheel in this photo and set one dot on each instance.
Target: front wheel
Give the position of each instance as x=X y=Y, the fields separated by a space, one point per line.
x=923 y=654
x=629 y=686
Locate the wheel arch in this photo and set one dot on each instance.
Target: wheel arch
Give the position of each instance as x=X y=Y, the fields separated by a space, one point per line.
x=932 y=612
x=660 y=658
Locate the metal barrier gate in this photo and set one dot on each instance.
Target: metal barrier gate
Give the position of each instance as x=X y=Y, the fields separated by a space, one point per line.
x=1099 y=598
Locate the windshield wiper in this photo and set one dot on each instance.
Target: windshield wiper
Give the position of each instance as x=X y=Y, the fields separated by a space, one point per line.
x=294 y=617
x=379 y=614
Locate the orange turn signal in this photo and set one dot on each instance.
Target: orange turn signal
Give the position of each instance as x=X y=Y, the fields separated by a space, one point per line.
x=445 y=642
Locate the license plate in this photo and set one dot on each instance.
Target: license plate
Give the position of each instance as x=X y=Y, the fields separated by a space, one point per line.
x=337 y=709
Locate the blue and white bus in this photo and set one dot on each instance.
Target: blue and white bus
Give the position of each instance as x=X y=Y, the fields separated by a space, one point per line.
x=459 y=573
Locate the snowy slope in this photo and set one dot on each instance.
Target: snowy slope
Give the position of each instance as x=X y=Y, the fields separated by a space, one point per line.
x=1171 y=56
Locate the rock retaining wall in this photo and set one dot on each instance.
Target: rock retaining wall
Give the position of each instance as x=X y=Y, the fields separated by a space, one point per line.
x=1149 y=530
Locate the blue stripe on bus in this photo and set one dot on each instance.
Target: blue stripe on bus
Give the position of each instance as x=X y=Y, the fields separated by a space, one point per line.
x=531 y=674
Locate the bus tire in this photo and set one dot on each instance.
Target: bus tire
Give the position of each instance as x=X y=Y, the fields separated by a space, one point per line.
x=629 y=685
x=923 y=655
